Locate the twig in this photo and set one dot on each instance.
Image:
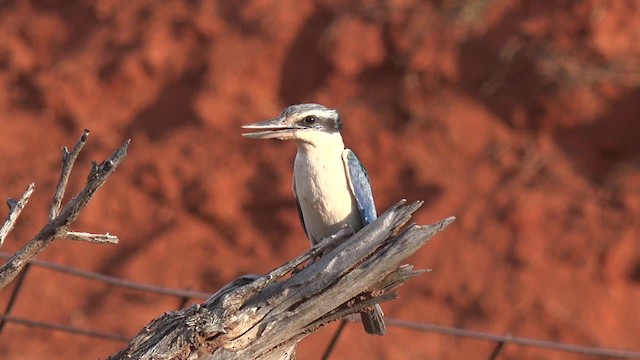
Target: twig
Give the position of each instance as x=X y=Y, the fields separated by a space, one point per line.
x=88 y=237
x=58 y=226
x=15 y=208
x=68 y=159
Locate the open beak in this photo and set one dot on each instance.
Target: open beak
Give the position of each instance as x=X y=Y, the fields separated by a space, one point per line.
x=278 y=128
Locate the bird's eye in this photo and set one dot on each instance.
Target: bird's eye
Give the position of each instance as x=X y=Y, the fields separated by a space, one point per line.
x=310 y=120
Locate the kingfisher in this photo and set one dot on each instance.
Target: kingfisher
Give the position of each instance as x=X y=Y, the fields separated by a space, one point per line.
x=330 y=185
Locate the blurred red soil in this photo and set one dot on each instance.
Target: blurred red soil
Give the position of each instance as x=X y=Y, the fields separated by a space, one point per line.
x=518 y=117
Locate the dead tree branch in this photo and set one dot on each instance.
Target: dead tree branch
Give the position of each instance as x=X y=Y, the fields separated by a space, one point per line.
x=15 y=208
x=60 y=219
x=68 y=159
x=263 y=317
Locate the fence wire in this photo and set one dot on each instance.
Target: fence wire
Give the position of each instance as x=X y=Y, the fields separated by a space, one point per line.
x=184 y=295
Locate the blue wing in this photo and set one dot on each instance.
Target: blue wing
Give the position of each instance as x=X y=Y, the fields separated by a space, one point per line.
x=360 y=186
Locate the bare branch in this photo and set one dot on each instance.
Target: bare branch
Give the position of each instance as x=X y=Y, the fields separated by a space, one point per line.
x=263 y=317
x=88 y=237
x=68 y=159
x=15 y=208
x=58 y=226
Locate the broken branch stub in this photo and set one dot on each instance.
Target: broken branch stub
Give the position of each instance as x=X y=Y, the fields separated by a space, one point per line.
x=15 y=208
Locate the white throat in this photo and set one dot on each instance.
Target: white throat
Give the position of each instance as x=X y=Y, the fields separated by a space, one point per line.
x=310 y=141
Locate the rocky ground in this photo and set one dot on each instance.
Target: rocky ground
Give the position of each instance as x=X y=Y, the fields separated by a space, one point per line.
x=518 y=117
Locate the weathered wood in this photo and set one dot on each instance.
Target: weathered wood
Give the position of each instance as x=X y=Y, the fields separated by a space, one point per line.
x=263 y=317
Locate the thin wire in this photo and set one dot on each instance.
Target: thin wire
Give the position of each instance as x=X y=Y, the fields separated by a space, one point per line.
x=14 y=294
x=116 y=281
x=183 y=302
x=496 y=350
x=334 y=340
x=392 y=322
x=514 y=340
x=65 y=328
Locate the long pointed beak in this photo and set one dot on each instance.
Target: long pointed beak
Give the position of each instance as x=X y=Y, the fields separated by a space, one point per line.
x=278 y=128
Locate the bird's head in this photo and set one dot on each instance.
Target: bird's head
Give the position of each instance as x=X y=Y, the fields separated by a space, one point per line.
x=304 y=123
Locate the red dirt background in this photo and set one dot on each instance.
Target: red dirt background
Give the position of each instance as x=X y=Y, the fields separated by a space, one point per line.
x=518 y=117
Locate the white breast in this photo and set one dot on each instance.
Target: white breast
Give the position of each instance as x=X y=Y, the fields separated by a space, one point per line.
x=323 y=192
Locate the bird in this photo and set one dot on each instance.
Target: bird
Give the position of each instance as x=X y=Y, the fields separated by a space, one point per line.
x=330 y=185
